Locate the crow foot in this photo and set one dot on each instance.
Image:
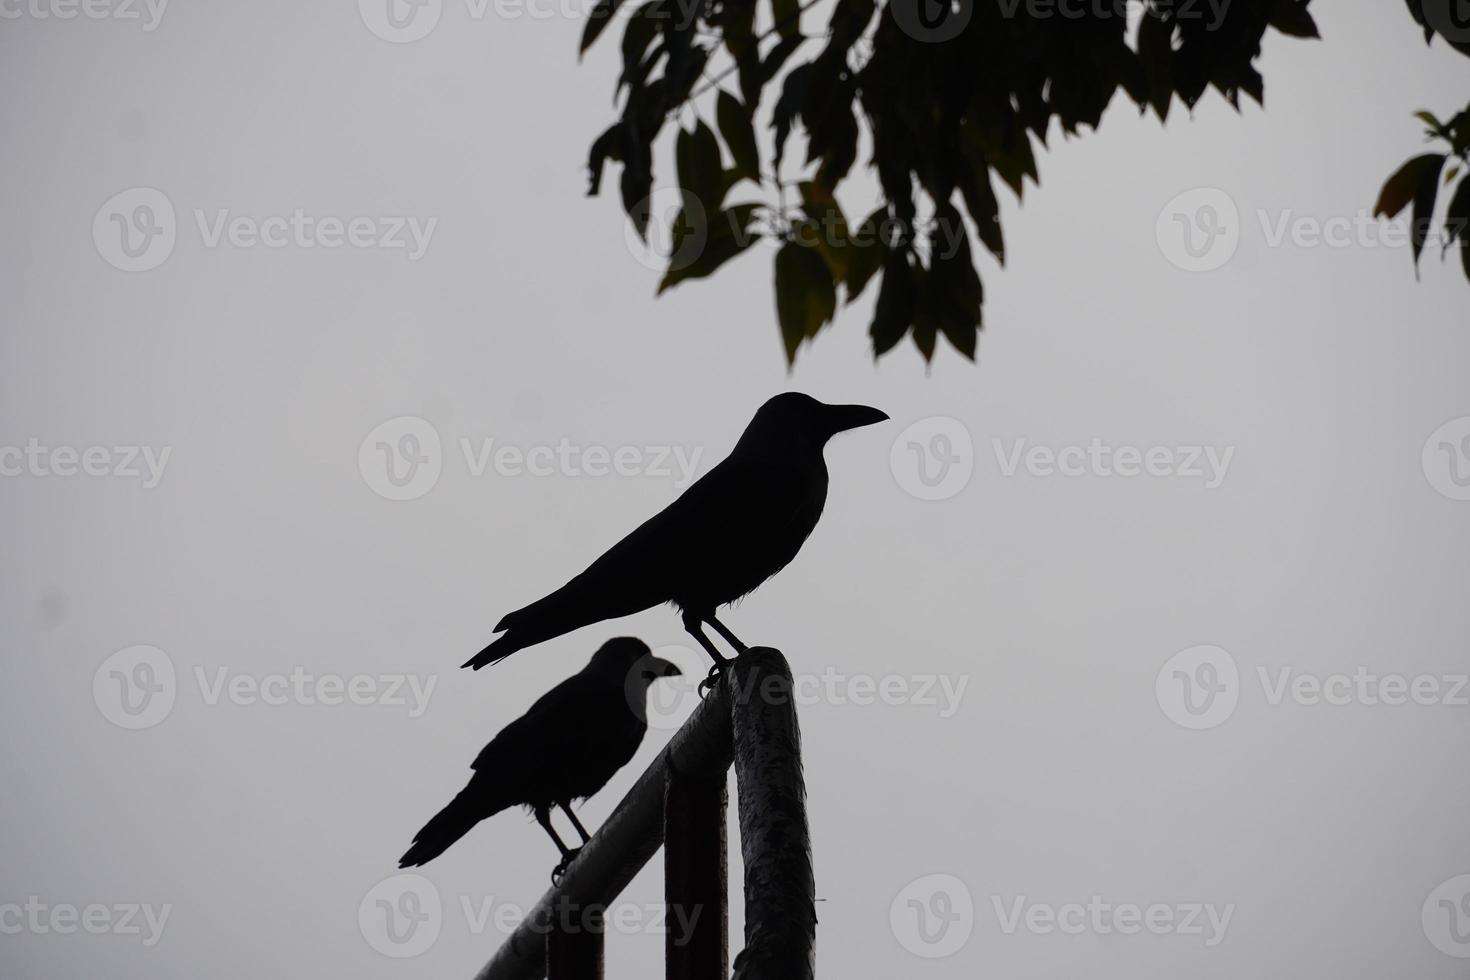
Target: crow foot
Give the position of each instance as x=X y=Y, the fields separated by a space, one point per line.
x=716 y=672
x=558 y=872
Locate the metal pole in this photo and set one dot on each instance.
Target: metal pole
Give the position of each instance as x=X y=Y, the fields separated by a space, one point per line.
x=780 y=889
x=574 y=945
x=696 y=889
x=750 y=715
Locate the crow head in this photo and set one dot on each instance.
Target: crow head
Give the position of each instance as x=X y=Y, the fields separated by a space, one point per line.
x=628 y=658
x=797 y=423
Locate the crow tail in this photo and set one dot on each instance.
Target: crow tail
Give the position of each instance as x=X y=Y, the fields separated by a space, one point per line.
x=442 y=830
x=499 y=648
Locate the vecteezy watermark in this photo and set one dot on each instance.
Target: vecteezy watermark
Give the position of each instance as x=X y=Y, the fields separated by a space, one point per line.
x=1208 y=464
x=1200 y=688
x=1201 y=230
x=1446 y=917
x=406 y=21
x=1363 y=686
x=136 y=230
x=401 y=916
x=402 y=459
x=148 y=12
x=1450 y=18
x=97 y=919
x=934 y=458
x=933 y=916
x=670 y=701
x=137 y=688
x=1100 y=917
x=144 y=463
x=1212 y=12
x=1446 y=459
x=404 y=915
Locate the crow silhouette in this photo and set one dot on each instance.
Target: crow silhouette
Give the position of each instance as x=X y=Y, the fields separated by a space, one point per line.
x=565 y=748
x=731 y=530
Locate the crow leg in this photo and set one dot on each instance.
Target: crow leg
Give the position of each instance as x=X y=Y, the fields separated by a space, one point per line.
x=692 y=625
x=543 y=817
x=575 y=822
x=724 y=631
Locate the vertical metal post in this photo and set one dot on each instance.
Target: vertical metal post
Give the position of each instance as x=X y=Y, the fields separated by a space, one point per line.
x=780 y=890
x=574 y=943
x=696 y=893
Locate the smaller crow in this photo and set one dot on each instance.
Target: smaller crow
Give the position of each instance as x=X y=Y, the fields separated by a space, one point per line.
x=565 y=748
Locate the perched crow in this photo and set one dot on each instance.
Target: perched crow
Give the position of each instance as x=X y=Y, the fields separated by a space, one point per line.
x=565 y=748
x=734 y=528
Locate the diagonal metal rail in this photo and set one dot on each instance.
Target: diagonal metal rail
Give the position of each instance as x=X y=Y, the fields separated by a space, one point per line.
x=748 y=720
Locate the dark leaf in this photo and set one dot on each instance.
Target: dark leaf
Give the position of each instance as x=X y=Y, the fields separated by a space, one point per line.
x=725 y=236
x=597 y=21
x=793 y=97
x=735 y=126
x=1291 y=17
x=984 y=210
x=827 y=228
x=1424 y=197
x=608 y=146
x=642 y=28
x=895 y=308
x=1400 y=189
x=787 y=17
x=806 y=297
x=1457 y=222
x=865 y=253
x=1428 y=118
x=954 y=294
x=1156 y=52
x=697 y=155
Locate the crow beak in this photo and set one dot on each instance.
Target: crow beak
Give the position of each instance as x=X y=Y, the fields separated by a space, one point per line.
x=840 y=418
x=664 y=668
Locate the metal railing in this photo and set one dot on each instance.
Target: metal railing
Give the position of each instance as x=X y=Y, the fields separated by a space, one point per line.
x=748 y=720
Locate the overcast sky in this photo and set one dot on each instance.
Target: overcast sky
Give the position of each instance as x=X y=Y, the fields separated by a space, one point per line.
x=1297 y=511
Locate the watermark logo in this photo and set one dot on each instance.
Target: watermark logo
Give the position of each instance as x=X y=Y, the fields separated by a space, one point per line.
x=401 y=21
x=1199 y=230
x=932 y=21
x=150 y=12
x=1199 y=687
x=135 y=230
x=933 y=916
x=1451 y=18
x=401 y=916
x=64 y=919
x=934 y=458
x=678 y=230
x=1208 y=464
x=672 y=699
x=1101 y=917
x=36 y=459
x=402 y=458
x=1446 y=459
x=136 y=687
x=1446 y=917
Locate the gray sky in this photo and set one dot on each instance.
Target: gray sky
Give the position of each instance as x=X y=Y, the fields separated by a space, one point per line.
x=1323 y=539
